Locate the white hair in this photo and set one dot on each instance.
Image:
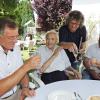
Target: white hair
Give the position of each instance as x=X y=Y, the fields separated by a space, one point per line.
x=52 y=32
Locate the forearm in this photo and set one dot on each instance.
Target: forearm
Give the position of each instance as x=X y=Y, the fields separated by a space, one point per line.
x=9 y=82
x=25 y=81
x=47 y=63
x=64 y=45
x=93 y=74
x=89 y=69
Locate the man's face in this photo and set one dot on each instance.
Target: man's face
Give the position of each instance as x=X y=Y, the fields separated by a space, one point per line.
x=73 y=25
x=9 y=37
x=51 y=41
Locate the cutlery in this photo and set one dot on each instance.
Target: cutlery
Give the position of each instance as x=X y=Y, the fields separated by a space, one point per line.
x=78 y=97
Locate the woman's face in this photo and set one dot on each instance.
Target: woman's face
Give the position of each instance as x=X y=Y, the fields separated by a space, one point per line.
x=73 y=25
x=51 y=40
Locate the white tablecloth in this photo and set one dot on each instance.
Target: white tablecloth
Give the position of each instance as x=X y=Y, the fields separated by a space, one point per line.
x=84 y=87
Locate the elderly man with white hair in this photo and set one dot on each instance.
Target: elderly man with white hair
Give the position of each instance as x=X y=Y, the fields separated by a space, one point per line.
x=54 y=61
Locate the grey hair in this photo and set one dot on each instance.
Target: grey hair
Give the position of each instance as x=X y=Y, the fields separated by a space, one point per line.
x=75 y=15
x=52 y=32
x=6 y=22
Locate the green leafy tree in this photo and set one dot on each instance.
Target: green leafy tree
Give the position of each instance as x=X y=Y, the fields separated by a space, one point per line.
x=20 y=11
x=7 y=7
x=23 y=12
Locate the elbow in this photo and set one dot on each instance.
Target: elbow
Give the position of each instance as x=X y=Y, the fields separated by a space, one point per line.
x=1 y=92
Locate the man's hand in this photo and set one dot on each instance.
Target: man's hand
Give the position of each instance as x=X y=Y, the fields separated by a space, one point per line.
x=93 y=61
x=77 y=75
x=95 y=75
x=32 y=62
x=72 y=47
x=74 y=74
x=26 y=92
x=88 y=62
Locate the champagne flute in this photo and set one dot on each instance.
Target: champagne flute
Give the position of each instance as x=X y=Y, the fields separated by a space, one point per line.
x=37 y=71
x=76 y=53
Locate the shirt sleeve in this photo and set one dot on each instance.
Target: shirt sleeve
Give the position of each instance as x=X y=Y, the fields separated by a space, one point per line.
x=84 y=34
x=62 y=35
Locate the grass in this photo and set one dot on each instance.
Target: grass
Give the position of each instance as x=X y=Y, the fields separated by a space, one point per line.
x=25 y=53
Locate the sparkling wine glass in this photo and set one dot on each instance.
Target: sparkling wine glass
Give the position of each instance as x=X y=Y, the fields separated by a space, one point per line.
x=75 y=55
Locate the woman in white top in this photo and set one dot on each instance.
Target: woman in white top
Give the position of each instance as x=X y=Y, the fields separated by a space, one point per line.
x=54 y=60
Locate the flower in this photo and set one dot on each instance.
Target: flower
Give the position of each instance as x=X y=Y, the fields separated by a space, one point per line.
x=51 y=13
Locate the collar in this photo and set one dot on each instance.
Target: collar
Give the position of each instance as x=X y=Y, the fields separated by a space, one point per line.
x=50 y=49
x=1 y=49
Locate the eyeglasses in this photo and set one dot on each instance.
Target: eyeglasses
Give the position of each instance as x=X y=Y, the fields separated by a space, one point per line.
x=75 y=23
x=12 y=37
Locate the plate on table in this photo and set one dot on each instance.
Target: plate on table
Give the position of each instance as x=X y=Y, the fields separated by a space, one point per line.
x=94 y=97
x=61 y=95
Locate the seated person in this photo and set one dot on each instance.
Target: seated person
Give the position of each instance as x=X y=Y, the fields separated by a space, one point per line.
x=92 y=62
x=54 y=61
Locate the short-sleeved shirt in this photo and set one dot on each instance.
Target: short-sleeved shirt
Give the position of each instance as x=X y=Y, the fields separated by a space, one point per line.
x=66 y=36
x=9 y=63
x=61 y=62
x=94 y=52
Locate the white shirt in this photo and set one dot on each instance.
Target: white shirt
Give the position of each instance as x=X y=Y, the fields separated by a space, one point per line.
x=94 y=52
x=9 y=63
x=60 y=63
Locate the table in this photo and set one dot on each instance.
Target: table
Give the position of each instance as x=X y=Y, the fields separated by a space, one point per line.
x=84 y=87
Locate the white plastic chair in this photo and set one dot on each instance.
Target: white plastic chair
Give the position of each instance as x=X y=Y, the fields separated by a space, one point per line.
x=37 y=82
